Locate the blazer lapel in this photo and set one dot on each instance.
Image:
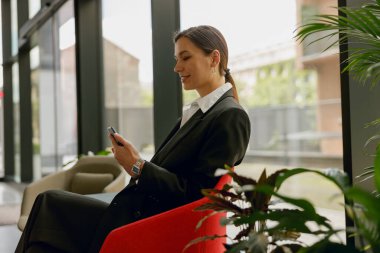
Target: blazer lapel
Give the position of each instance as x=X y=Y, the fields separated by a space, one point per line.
x=170 y=135
x=176 y=135
x=180 y=134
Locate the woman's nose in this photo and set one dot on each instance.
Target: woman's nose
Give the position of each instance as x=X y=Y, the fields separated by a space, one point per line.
x=177 y=67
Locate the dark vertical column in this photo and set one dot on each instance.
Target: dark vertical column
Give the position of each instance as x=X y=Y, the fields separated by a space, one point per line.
x=167 y=88
x=360 y=105
x=26 y=132
x=346 y=119
x=8 y=153
x=89 y=53
x=364 y=104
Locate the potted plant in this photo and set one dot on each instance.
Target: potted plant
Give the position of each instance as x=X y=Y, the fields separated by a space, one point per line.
x=251 y=205
x=265 y=228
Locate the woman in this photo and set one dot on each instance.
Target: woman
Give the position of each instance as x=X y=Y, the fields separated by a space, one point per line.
x=213 y=131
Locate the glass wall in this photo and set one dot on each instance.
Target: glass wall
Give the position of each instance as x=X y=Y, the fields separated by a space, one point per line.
x=54 y=113
x=14 y=27
x=34 y=7
x=34 y=55
x=128 y=74
x=16 y=118
x=292 y=95
x=1 y=106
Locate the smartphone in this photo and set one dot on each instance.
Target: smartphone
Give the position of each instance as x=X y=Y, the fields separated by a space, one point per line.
x=112 y=131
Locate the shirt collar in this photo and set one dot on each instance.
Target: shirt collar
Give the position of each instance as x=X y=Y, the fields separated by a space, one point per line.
x=206 y=102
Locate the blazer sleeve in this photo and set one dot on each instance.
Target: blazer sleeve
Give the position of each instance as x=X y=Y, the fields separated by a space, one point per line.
x=225 y=142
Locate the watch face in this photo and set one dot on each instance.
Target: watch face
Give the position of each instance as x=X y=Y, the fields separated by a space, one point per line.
x=135 y=170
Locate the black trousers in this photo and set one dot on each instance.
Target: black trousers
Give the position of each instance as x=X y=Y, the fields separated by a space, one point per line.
x=63 y=222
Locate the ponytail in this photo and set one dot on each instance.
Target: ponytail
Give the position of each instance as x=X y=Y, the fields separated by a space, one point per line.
x=230 y=80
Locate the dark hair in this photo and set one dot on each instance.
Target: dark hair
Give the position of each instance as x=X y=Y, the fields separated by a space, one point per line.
x=208 y=38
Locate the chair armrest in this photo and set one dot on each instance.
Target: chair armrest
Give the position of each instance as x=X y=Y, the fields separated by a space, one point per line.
x=166 y=232
x=58 y=180
x=118 y=184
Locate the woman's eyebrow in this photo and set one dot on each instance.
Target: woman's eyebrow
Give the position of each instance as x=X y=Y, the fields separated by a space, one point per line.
x=181 y=53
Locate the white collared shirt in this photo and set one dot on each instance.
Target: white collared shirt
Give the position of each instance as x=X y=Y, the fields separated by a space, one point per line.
x=204 y=103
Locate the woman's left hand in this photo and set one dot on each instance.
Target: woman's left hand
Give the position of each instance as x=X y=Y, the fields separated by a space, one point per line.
x=127 y=155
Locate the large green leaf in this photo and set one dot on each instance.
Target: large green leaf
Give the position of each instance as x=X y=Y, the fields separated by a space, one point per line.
x=296 y=220
x=377 y=169
x=236 y=247
x=287 y=219
x=305 y=205
x=365 y=228
x=241 y=181
x=366 y=215
x=223 y=193
x=244 y=232
x=370 y=203
x=337 y=177
x=201 y=239
x=287 y=248
x=325 y=246
x=219 y=204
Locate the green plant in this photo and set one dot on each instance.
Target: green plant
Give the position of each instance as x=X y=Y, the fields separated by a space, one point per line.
x=103 y=152
x=250 y=205
x=374 y=140
x=360 y=27
x=265 y=228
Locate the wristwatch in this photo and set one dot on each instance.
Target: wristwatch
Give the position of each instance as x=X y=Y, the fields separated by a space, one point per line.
x=136 y=168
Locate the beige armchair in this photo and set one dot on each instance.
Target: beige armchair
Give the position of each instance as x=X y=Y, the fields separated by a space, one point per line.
x=90 y=175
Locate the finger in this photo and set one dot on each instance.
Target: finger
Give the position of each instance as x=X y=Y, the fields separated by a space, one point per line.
x=120 y=139
x=113 y=141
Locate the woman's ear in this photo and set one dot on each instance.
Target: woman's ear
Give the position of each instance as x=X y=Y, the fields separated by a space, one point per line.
x=215 y=58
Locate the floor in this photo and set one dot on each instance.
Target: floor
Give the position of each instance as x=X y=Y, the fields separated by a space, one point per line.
x=307 y=186
x=10 y=194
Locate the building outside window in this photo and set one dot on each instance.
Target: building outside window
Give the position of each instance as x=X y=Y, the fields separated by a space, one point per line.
x=128 y=71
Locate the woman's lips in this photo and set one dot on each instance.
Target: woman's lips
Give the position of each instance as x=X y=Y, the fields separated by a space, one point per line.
x=184 y=78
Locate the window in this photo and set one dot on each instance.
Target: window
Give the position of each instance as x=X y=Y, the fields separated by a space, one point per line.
x=16 y=118
x=34 y=7
x=128 y=74
x=293 y=99
x=14 y=27
x=1 y=106
x=54 y=106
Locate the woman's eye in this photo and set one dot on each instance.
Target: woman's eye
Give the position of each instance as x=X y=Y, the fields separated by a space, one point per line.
x=186 y=58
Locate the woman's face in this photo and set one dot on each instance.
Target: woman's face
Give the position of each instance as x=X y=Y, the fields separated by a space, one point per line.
x=194 y=67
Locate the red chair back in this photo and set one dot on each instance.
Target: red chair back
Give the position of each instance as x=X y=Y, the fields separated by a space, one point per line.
x=170 y=232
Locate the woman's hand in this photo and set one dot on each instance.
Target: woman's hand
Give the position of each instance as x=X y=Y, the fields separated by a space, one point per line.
x=127 y=155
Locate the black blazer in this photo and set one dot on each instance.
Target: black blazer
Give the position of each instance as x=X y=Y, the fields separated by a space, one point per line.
x=184 y=164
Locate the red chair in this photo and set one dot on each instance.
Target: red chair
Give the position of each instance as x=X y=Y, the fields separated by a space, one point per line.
x=169 y=232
